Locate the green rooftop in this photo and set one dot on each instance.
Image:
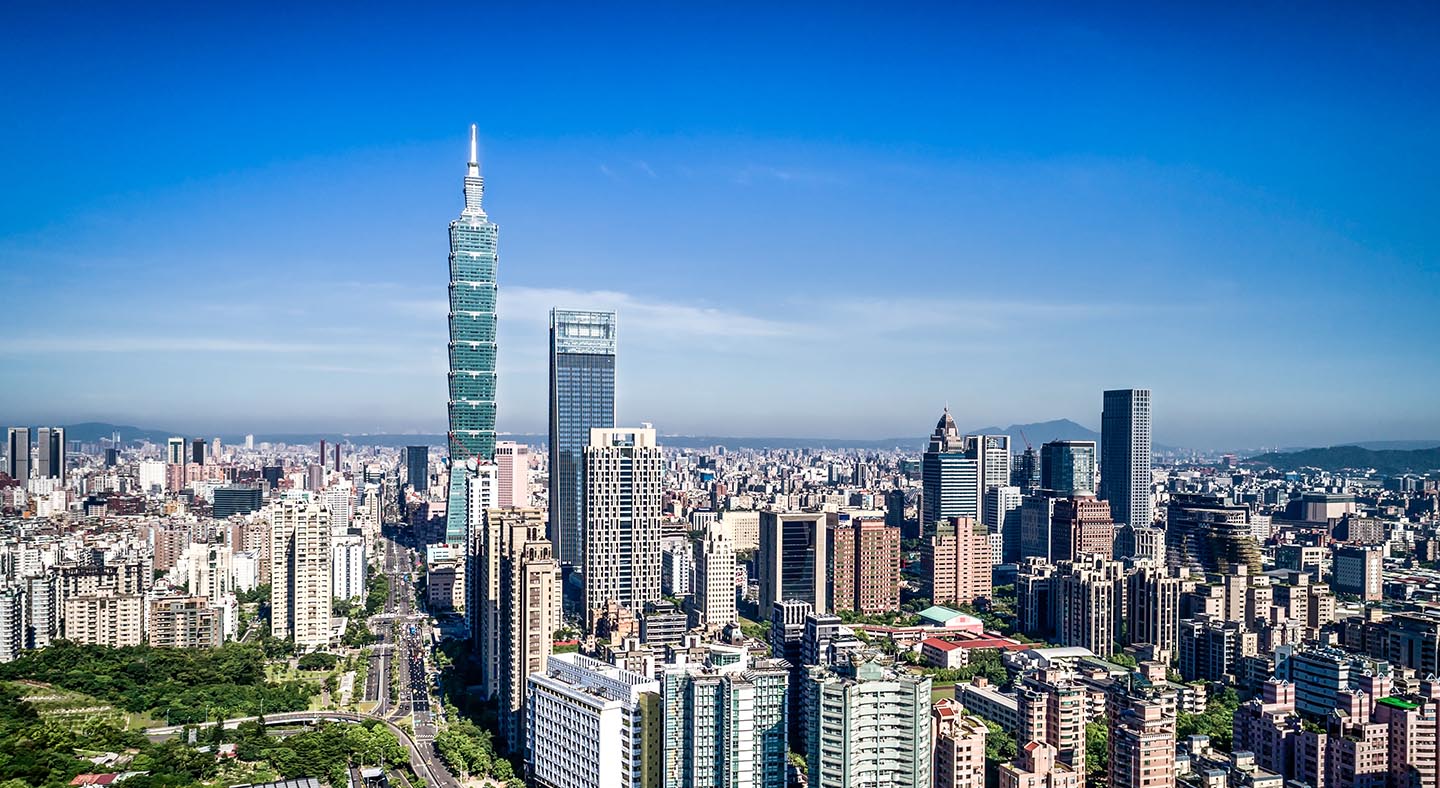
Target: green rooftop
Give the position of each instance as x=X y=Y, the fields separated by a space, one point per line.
x=938 y=614
x=1394 y=702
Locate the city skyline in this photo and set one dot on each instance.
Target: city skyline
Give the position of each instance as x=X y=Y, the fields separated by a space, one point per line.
x=713 y=234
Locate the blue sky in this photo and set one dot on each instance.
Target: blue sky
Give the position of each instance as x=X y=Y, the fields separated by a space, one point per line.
x=822 y=221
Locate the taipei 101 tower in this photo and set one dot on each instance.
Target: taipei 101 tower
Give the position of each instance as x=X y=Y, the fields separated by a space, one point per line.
x=473 y=263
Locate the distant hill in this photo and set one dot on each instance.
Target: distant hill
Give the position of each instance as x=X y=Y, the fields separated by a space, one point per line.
x=1336 y=458
x=1041 y=432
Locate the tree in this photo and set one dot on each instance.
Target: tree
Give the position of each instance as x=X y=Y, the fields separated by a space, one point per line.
x=1097 y=751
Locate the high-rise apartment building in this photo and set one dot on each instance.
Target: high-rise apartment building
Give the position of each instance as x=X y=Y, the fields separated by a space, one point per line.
x=1089 y=598
x=715 y=580
x=105 y=618
x=1052 y=707
x=474 y=260
x=513 y=461
x=17 y=453
x=185 y=622
x=624 y=475
x=725 y=721
x=958 y=562
x=1153 y=592
x=869 y=724
x=1141 y=741
x=348 y=567
x=1209 y=534
x=959 y=746
x=1125 y=461
x=1067 y=468
x=50 y=453
x=864 y=564
x=42 y=611
x=793 y=560
x=582 y=398
x=300 y=573
x=12 y=623
x=1037 y=765
x=950 y=477
x=590 y=724
x=476 y=567
x=518 y=609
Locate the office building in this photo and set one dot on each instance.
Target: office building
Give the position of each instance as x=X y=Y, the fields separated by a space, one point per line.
x=959 y=746
x=992 y=456
x=793 y=560
x=582 y=398
x=663 y=624
x=1080 y=526
x=592 y=725
x=519 y=610
x=715 y=580
x=624 y=472
x=958 y=562
x=50 y=453
x=1037 y=512
x=677 y=566
x=198 y=451
x=417 y=468
x=476 y=566
x=869 y=724
x=1089 y=598
x=1025 y=471
x=17 y=453
x=235 y=499
x=513 y=462
x=175 y=451
x=950 y=477
x=300 y=573
x=1358 y=571
x=744 y=528
x=1125 y=463
x=348 y=567
x=1067 y=468
x=185 y=622
x=725 y=721
x=1002 y=516
x=864 y=564
x=474 y=241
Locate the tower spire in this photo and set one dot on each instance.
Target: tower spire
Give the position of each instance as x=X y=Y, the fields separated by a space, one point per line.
x=474 y=151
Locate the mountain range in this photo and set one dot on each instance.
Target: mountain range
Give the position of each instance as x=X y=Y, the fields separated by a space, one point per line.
x=1338 y=458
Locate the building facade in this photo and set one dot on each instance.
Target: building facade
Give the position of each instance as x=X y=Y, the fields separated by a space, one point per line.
x=582 y=398
x=624 y=475
x=1125 y=463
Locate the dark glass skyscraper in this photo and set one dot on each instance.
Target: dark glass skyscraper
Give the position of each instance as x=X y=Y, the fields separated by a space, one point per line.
x=474 y=258
x=1125 y=455
x=417 y=467
x=582 y=397
x=1068 y=468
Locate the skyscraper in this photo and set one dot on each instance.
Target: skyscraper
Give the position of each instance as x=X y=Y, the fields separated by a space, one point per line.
x=992 y=457
x=1125 y=455
x=582 y=398
x=793 y=563
x=473 y=263
x=50 y=453
x=950 y=477
x=864 y=564
x=417 y=467
x=715 y=580
x=1068 y=467
x=957 y=561
x=18 y=454
x=870 y=725
x=175 y=451
x=624 y=472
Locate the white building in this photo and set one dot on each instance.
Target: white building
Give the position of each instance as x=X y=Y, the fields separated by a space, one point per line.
x=151 y=477
x=677 y=565
x=347 y=566
x=744 y=528
x=591 y=724
x=623 y=481
x=208 y=570
x=300 y=572
x=512 y=460
x=12 y=623
x=245 y=570
x=715 y=581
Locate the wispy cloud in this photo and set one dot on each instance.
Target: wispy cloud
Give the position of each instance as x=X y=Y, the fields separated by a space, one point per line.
x=108 y=343
x=533 y=305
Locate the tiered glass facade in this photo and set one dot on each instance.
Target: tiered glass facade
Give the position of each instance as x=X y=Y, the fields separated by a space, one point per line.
x=473 y=262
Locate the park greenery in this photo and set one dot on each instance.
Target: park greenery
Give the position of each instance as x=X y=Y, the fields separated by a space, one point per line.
x=377 y=590
x=324 y=752
x=1216 y=721
x=470 y=751
x=1097 y=753
x=181 y=686
x=983 y=662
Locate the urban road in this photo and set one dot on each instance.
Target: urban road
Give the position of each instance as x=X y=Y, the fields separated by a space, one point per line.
x=404 y=646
